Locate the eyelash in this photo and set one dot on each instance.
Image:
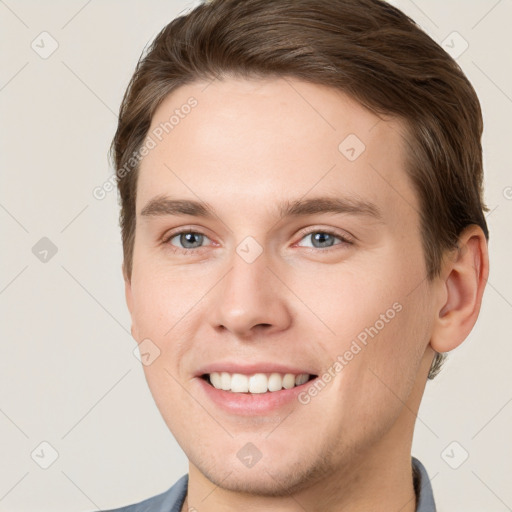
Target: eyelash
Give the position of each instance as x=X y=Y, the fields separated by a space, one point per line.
x=345 y=240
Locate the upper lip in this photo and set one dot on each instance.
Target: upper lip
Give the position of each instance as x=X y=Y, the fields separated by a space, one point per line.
x=252 y=368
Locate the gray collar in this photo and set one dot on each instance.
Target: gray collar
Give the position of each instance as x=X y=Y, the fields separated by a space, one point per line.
x=422 y=488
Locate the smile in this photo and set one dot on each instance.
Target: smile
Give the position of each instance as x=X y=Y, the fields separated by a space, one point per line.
x=257 y=382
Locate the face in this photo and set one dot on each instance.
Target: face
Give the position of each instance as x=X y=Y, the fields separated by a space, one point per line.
x=297 y=251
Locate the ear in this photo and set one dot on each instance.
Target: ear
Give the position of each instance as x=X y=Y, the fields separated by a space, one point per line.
x=128 y=296
x=462 y=281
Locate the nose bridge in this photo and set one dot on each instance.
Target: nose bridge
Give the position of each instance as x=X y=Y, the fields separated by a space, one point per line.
x=250 y=294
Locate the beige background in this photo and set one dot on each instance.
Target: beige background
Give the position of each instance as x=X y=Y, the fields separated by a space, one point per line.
x=68 y=376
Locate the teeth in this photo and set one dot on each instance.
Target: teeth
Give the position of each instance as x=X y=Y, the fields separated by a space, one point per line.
x=257 y=383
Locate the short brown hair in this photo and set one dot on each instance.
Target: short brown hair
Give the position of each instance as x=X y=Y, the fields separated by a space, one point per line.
x=366 y=48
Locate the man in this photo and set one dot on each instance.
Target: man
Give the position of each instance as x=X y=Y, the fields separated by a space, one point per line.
x=304 y=238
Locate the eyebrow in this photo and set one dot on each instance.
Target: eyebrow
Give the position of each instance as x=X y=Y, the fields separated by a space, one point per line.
x=163 y=205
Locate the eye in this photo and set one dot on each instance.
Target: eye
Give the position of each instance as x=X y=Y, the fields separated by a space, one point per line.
x=188 y=239
x=324 y=239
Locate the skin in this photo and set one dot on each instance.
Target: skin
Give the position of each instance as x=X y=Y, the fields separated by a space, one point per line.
x=245 y=147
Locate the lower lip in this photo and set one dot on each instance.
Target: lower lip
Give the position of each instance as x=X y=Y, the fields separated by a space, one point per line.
x=251 y=404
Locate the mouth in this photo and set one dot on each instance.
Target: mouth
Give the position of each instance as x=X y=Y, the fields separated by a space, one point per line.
x=256 y=383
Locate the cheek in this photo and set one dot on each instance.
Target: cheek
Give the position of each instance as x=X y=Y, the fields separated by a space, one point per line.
x=379 y=324
x=161 y=300
x=398 y=348
x=346 y=302
x=387 y=366
x=176 y=406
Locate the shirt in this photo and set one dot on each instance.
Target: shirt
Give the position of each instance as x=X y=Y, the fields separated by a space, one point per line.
x=172 y=500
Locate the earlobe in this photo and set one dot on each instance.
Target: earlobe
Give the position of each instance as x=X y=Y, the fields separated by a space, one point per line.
x=462 y=287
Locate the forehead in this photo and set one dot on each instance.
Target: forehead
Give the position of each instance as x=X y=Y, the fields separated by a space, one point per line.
x=251 y=143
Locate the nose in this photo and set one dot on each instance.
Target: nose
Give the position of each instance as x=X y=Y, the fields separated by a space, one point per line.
x=250 y=299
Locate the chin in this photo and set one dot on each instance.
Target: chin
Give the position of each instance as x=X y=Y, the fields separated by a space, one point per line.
x=256 y=482
x=266 y=478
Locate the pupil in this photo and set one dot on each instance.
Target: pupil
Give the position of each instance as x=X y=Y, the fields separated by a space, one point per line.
x=186 y=238
x=321 y=237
